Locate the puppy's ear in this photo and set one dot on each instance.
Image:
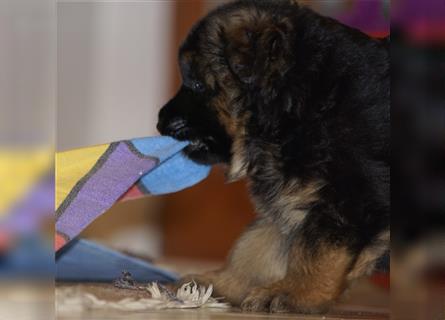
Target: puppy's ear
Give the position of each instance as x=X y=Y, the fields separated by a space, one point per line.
x=259 y=50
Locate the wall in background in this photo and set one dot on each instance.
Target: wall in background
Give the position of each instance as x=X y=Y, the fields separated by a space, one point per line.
x=113 y=69
x=27 y=72
x=114 y=73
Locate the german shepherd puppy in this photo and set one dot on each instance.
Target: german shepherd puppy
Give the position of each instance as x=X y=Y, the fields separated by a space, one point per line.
x=298 y=104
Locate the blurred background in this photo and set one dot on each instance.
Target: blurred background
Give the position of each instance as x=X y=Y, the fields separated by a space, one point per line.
x=27 y=135
x=98 y=71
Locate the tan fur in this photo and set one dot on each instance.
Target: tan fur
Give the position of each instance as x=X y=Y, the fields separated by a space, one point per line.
x=367 y=259
x=319 y=279
x=238 y=165
x=222 y=103
x=264 y=274
x=294 y=199
x=260 y=253
x=257 y=259
x=312 y=283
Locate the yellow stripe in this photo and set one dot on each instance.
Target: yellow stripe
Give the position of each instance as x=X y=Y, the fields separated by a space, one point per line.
x=72 y=165
x=19 y=172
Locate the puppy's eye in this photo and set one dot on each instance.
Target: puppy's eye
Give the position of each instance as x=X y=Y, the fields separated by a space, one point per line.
x=197 y=86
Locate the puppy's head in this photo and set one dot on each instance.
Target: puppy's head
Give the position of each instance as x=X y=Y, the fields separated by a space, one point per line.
x=234 y=56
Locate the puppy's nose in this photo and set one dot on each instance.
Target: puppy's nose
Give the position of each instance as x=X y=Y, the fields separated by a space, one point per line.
x=175 y=127
x=162 y=120
x=159 y=126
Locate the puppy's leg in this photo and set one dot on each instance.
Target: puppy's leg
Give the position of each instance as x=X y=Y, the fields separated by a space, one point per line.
x=259 y=258
x=318 y=272
x=368 y=257
x=314 y=279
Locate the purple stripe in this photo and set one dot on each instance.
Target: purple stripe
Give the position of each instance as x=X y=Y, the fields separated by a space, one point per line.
x=32 y=210
x=119 y=172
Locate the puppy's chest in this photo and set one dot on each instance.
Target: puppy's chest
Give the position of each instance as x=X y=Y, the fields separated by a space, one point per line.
x=284 y=200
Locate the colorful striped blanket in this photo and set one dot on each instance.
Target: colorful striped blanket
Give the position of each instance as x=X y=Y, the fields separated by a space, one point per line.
x=90 y=180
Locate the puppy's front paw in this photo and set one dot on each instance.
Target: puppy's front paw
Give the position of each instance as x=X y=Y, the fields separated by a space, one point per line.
x=265 y=299
x=256 y=301
x=281 y=300
x=280 y=303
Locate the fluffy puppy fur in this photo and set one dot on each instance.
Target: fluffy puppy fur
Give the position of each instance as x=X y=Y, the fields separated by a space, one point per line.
x=299 y=105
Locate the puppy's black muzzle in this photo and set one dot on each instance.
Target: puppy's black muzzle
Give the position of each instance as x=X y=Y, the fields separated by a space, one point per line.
x=176 y=128
x=174 y=117
x=186 y=117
